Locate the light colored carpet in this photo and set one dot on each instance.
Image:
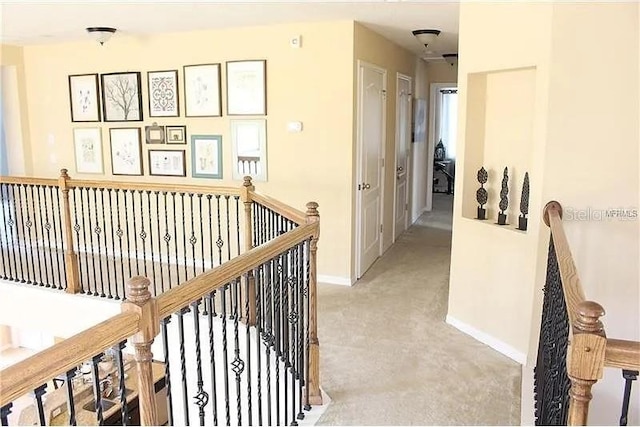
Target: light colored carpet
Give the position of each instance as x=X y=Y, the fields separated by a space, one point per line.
x=389 y=358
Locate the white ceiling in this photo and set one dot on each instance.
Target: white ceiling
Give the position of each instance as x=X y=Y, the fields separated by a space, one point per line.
x=26 y=22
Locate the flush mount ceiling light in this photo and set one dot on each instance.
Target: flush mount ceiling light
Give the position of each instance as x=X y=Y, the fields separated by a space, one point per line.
x=426 y=36
x=451 y=58
x=101 y=34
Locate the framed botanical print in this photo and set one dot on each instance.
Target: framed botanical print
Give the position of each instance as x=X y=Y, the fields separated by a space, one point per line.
x=121 y=97
x=163 y=93
x=126 y=151
x=167 y=163
x=206 y=156
x=246 y=88
x=249 y=145
x=83 y=94
x=176 y=134
x=88 y=150
x=202 y=90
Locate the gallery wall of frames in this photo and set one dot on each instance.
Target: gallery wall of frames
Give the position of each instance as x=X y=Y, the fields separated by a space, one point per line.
x=145 y=128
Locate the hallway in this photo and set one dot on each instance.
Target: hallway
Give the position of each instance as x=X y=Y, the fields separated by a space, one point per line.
x=389 y=358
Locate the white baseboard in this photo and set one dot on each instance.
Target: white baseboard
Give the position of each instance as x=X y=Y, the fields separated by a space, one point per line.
x=5 y=347
x=334 y=280
x=487 y=339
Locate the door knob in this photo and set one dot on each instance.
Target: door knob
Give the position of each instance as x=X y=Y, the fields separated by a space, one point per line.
x=366 y=186
x=399 y=169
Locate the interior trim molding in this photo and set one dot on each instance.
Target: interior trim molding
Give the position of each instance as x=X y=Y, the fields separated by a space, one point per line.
x=335 y=280
x=487 y=339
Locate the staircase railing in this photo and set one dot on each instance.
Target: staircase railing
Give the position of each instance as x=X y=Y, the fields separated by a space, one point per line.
x=573 y=349
x=251 y=357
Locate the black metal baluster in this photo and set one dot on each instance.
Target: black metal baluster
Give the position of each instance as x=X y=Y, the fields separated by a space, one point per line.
x=19 y=219
x=135 y=232
x=84 y=242
x=76 y=228
x=285 y=332
x=277 y=316
x=121 y=383
x=238 y=364
x=228 y=229
x=293 y=318
x=120 y=233
x=157 y=194
x=97 y=392
x=17 y=262
x=27 y=238
x=6 y=263
x=37 y=393
x=268 y=336
x=47 y=227
x=212 y=357
x=143 y=235
x=183 y=364
x=167 y=370
x=98 y=231
x=258 y=276
x=201 y=397
x=307 y=406
x=93 y=258
x=63 y=270
x=223 y=316
x=219 y=241
x=248 y=338
x=128 y=238
x=106 y=250
x=4 y=414
x=153 y=263
x=629 y=376
x=113 y=249
x=300 y=335
x=184 y=236
x=192 y=239
x=71 y=407
x=35 y=231
x=167 y=239
x=202 y=253
x=175 y=234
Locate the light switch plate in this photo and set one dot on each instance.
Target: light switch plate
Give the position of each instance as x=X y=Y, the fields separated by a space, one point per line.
x=296 y=41
x=294 y=127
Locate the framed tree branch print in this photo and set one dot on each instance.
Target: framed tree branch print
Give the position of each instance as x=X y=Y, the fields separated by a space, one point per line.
x=83 y=94
x=121 y=97
x=246 y=88
x=163 y=93
x=202 y=90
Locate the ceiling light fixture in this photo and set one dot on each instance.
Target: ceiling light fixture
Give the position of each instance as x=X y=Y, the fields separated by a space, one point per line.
x=451 y=58
x=101 y=34
x=426 y=36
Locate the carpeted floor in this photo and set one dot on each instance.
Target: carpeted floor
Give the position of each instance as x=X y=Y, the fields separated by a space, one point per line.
x=389 y=358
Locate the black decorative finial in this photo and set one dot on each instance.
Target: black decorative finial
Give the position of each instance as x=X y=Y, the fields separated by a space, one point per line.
x=524 y=203
x=504 y=200
x=481 y=194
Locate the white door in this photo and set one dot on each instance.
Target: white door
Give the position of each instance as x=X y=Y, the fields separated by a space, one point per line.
x=372 y=85
x=403 y=133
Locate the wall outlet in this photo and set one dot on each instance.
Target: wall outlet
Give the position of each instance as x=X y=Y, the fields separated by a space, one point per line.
x=296 y=41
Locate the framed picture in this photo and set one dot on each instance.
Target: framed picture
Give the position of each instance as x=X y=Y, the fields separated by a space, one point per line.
x=163 y=93
x=126 y=151
x=83 y=94
x=420 y=121
x=202 y=90
x=167 y=163
x=121 y=97
x=246 y=88
x=154 y=134
x=206 y=156
x=249 y=145
x=88 y=150
x=176 y=134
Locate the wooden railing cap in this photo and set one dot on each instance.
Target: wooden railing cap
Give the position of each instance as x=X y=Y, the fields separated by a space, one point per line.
x=64 y=173
x=247 y=181
x=552 y=205
x=312 y=209
x=588 y=319
x=138 y=290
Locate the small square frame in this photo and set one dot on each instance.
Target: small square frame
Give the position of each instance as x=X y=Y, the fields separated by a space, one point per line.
x=176 y=135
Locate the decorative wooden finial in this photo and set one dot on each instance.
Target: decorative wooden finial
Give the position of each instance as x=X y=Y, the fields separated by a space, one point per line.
x=312 y=209
x=588 y=319
x=138 y=290
x=552 y=205
x=247 y=181
x=64 y=173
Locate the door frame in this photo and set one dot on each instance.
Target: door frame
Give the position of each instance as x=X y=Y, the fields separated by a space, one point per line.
x=409 y=171
x=431 y=140
x=359 y=152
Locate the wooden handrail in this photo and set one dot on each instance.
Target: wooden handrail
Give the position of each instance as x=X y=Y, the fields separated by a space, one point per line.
x=622 y=354
x=28 y=180
x=30 y=373
x=146 y=186
x=196 y=288
x=571 y=285
x=287 y=211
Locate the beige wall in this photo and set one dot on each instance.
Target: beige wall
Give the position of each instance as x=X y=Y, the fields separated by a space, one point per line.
x=5 y=337
x=14 y=109
x=375 y=49
x=312 y=84
x=585 y=112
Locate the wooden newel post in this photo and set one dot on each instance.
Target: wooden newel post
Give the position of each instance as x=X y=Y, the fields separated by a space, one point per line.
x=139 y=301
x=245 y=196
x=315 y=396
x=586 y=360
x=70 y=257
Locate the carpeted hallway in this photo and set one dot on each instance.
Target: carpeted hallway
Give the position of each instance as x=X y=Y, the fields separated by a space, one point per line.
x=389 y=358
